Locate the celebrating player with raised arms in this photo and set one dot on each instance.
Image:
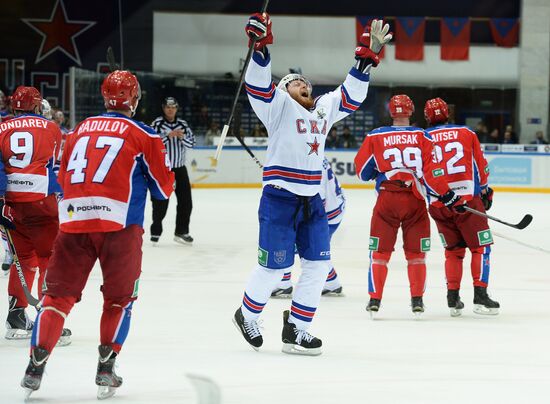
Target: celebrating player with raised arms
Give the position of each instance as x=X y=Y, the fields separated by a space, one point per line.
x=467 y=172
x=109 y=162
x=291 y=211
x=398 y=158
x=28 y=145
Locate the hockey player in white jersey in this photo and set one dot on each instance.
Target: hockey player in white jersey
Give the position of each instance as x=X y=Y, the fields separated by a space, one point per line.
x=335 y=202
x=291 y=211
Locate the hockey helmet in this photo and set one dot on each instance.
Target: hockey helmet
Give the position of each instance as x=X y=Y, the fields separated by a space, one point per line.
x=436 y=111
x=46 y=109
x=401 y=106
x=26 y=99
x=121 y=91
x=286 y=80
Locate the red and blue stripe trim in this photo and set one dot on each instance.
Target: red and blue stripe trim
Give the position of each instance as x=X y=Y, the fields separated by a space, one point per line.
x=301 y=312
x=286 y=276
x=331 y=275
x=265 y=94
x=347 y=104
x=252 y=305
x=334 y=213
x=292 y=175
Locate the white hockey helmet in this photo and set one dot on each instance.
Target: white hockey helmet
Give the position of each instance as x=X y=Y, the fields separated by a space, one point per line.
x=291 y=77
x=46 y=109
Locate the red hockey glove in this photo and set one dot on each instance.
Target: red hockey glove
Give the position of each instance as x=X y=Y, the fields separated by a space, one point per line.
x=487 y=198
x=259 y=28
x=364 y=53
x=6 y=215
x=453 y=202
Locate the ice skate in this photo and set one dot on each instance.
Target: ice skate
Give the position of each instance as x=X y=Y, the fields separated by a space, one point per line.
x=155 y=240
x=332 y=292
x=33 y=375
x=299 y=342
x=250 y=330
x=18 y=324
x=483 y=304
x=106 y=378
x=454 y=303
x=282 y=292
x=372 y=307
x=417 y=306
x=184 y=239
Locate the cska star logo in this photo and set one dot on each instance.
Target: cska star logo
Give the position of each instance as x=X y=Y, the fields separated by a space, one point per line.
x=313 y=147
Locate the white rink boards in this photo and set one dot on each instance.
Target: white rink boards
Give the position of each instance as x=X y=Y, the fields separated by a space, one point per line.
x=182 y=322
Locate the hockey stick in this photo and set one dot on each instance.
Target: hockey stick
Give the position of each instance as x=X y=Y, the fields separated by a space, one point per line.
x=235 y=101
x=30 y=298
x=533 y=247
x=523 y=223
x=111 y=60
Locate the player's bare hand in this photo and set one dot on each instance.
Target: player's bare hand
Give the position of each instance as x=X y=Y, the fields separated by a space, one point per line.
x=176 y=133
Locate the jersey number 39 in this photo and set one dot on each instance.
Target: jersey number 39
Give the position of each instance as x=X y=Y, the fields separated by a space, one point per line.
x=78 y=161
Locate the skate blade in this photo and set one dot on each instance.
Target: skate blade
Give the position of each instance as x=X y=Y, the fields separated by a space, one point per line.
x=485 y=311
x=294 y=349
x=18 y=334
x=64 y=341
x=455 y=312
x=182 y=242
x=282 y=296
x=333 y=294
x=104 y=392
x=28 y=393
x=417 y=315
x=241 y=334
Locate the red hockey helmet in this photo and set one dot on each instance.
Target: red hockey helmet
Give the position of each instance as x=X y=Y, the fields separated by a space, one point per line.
x=121 y=91
x=401 y=106
x=436 y=111
x=26 y=99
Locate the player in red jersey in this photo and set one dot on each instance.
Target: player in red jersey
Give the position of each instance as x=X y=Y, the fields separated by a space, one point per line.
x=28 y=144
x=467 y=172
x=398 y=157
x=107 y=166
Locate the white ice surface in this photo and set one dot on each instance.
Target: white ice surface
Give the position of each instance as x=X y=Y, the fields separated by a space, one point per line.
x=182 y=322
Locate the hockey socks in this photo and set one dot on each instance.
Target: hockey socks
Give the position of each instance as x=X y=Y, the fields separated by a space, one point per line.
x=49 y=321
x=481 y=265
x=115 y=323
x=453 y=267
x=258 y=290
x=378 y=272
x=416 y=269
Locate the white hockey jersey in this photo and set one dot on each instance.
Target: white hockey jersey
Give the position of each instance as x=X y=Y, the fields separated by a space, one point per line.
x=296 y=136
x=332 y=195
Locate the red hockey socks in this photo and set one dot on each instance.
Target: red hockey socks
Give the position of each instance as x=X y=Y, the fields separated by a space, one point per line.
x=481 y=265
x=115 y=323
x=453 y=267
x=49 y=322
x=378 y=272
x=416 y=269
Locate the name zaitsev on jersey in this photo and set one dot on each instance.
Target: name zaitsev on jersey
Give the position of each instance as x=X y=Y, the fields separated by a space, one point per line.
x=296 y=136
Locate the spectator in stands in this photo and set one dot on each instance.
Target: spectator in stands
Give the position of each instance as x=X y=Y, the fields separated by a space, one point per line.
x=178 y=139
x=510 y=129
x=347 y=140
x=212 y=132
x=482 y=132
x=258 y=131
x=332 y=138
x=494 y=137
x=508 y=137
x=59 y=119
x=539 y=138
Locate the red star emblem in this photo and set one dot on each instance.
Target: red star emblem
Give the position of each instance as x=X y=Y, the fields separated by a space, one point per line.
x=314 y=147
x=58 y=33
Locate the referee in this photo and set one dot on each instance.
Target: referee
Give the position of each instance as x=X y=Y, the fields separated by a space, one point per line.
x=178 y=138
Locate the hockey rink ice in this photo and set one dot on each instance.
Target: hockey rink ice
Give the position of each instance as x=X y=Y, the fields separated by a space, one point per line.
x=182 y=321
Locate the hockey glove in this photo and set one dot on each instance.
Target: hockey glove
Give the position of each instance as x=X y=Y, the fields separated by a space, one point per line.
x=6 y=215
x=259 y=28
x=379 y=35
x=364 y=55
x=453 y=202
x=487 y=198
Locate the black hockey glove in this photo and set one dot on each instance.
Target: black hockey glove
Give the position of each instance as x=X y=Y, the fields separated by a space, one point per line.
x=487 y=198
x=453 y=202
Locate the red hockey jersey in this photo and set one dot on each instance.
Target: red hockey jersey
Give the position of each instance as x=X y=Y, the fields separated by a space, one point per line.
x=459 y=151
x=401 y=153
x=28 y=146
x=108 y=163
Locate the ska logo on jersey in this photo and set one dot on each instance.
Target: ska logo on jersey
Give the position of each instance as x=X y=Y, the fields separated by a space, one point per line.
x=314 y=147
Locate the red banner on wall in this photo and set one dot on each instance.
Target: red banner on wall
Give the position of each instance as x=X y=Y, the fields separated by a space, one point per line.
x=455 y=38
x=409 y=38
x=505 y=31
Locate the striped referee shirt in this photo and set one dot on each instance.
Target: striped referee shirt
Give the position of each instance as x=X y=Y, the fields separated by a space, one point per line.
x=175 y=146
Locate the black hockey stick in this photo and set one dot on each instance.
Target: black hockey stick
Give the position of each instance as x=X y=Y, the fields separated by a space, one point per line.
x=30 y=298
x=235 y=101
x=111 y=60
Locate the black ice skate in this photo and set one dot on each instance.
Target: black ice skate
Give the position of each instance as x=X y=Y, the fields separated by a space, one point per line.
x=333 y=292
x=18 y=324
x=454 y=302
x=250 y=330
x=106 y=378
x=282 y=292
x=417 y=305
x=373 y=306
x=297 y=341
x=35 y=370
x=184 y=239
x=483 y=304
